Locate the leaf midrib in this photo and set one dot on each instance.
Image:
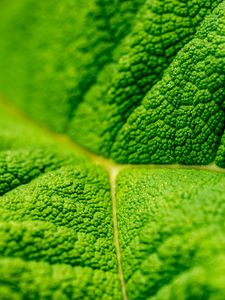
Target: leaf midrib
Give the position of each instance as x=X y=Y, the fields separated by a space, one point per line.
x=112 y=168
x=107 y=163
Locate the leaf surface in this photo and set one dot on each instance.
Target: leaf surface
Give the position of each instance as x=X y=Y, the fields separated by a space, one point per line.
x=132 y=207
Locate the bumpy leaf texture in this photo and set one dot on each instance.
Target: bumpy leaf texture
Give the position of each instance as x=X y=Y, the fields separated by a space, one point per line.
x=131 y=205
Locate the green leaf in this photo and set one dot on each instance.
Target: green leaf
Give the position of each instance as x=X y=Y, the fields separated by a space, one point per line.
x=134 y=82
x=67 y=232
x=171 y=229
x=56 y=230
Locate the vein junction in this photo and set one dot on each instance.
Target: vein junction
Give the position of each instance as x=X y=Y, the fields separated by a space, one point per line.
x=113 y=170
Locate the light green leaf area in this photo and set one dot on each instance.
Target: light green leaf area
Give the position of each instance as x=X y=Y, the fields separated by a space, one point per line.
x=67 y=232
x=56 y=231
x=172 y=233
x=132 y=207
